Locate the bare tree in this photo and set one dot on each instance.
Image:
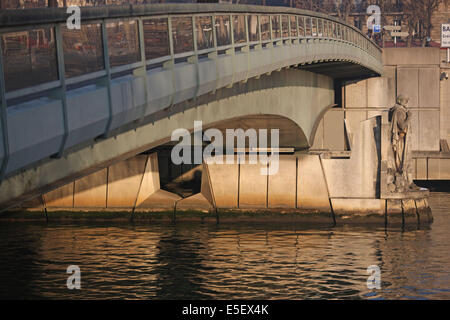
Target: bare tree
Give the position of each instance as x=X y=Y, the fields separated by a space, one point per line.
x=428 y=8
x=344 y=8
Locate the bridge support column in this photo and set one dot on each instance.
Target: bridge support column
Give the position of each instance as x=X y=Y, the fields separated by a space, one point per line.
x=130 y=186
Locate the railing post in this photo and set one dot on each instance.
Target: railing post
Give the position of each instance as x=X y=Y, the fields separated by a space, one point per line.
x=232 y=52
x=143 y=70
x=171 y=63
x=194 y=59
x=246 y=49
x=62 y=91
x=214 y=55
x=259 y=29
x=4 y=117
x=108 y=76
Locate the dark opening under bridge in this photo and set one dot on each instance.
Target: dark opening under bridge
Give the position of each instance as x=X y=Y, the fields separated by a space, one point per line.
x=75 y=101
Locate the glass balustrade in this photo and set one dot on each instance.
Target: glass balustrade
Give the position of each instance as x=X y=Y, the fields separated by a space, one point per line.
x=33 y=52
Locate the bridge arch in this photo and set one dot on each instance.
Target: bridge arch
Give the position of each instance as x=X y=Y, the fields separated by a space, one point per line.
x=140 y=96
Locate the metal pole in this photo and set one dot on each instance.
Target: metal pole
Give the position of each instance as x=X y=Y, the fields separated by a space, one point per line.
x=395 y=38
x=448 y=55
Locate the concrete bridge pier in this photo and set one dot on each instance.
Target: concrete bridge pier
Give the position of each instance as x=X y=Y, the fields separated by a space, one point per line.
x=312 y=186
x=330 y=187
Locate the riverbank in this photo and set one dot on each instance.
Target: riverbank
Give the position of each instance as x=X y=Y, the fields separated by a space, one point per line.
x=399 y=218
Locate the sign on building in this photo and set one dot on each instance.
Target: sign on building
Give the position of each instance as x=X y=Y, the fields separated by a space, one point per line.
x=376 y=28
x=445 y=36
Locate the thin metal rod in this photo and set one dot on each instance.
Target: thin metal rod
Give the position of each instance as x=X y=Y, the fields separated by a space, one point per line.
x=62 y=89
x=4 y=117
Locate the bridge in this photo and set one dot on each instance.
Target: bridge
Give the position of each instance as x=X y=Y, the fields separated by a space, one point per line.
x=77 y=101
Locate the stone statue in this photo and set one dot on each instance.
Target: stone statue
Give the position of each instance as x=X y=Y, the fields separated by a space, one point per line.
x=401 y=180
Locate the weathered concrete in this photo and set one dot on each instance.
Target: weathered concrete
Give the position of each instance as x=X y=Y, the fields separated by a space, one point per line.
x=370 y=210
x=312 y=186
x=420 y=74
x=253 y=187
x=293 y=94
x=357 y=177
x=124 y=182
x=312 y=190
x=90 y=191
x=283 y=185
x=394 y=213
x=224 y=184
x=131 y=185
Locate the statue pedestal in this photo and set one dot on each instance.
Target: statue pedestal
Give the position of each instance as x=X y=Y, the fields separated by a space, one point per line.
x=419 y=194
x=403 y=207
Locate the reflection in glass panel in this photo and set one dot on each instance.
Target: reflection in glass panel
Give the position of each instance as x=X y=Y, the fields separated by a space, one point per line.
x=308 y=26
x=29 y=58
x=239 y=29
x=301 y=26
x=253 y=28
x=314 y=27
x=285 y=26
x=83 y=49
x=223 y=30
x=156 y=38
x=182 y=34
x=320 y=27
x=294 y=29
x=123 y=42
x=325 y=28
x=276 y=27
x=204 y=32
x=265 y=27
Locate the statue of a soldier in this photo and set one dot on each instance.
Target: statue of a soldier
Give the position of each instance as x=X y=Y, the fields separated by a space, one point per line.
x=400 y=135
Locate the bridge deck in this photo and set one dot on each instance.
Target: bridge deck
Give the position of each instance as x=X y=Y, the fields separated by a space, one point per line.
x=62 y=87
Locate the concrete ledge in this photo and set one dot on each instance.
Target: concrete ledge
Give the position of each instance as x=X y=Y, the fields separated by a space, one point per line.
x=195 y=202
x=359 y=211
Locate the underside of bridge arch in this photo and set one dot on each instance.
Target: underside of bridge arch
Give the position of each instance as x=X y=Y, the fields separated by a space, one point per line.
x=290 y=134
x=291 y=99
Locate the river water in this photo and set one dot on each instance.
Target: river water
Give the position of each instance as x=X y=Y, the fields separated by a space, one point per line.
x=206 y=261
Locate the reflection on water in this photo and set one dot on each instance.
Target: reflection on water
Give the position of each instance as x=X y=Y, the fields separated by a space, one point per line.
x=205 y=261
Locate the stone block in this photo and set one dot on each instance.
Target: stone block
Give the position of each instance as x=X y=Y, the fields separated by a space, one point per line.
x=90 y=191
x=353 y=121
x=429 y=87
x=356 y=95
x=124 y=181
x=409 y=56
x=61 y=197
x=224 y=180
x=408 y=84
x=390 y=74
x=159 y=200
x=438 y=169
x=368 y=210
x=394 y=213
x=150 y=181
x=409 y=212
x=312 y=191
x=376 y=92
x=421 y=169
x=196 y=202
x=424 y=212
x=318 y=138
x=429 y=131
x=282 y=185
x=252 y=186
x=334 y=136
